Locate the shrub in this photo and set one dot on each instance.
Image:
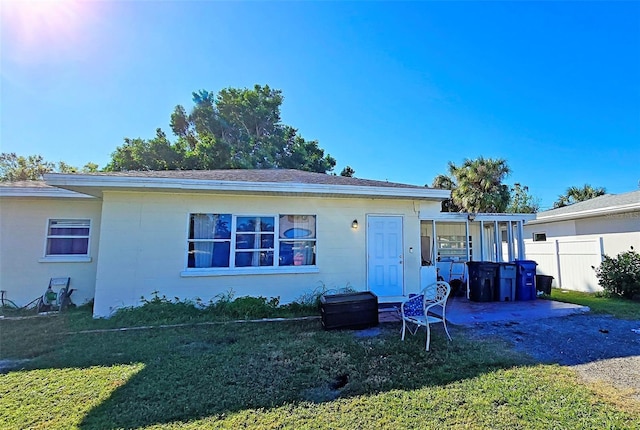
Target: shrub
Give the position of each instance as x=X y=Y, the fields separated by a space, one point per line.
x=620 y=276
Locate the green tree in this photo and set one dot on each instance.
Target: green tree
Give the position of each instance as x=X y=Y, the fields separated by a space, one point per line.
x=521 y=201
x=479 y=186
x=445 y=182
x=235 y=129
x=578 y=194
x=348 y=172
x=15 y=167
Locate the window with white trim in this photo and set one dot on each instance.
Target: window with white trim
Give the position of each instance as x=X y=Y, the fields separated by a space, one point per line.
x=68 y=237
x=539 y=237
x=241 y=241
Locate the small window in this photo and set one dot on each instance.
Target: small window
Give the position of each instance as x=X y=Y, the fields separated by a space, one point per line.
x=539 y=237
x=68 y=237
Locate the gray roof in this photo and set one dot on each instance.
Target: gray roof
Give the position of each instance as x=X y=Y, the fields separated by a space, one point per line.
x=24 y=184
x=608 y=203
x=291 y=176
x=241 y=181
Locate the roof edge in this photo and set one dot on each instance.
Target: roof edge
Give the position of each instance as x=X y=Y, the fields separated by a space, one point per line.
x=588 y=213
x=69 y=181
x=42 y=192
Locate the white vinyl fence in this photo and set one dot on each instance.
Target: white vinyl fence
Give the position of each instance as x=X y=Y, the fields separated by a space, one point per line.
x=569 y=261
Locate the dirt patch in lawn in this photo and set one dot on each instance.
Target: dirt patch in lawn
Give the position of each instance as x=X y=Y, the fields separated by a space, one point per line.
x=598 y=347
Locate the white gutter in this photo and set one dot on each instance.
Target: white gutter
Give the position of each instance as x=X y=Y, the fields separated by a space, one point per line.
x=41 y=192
x=483 y=216
x=110 y=182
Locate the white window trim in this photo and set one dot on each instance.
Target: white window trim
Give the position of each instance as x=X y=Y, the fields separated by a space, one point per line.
x=66 y=258
x=259 y=270
x=539 y=234
x=250 y=270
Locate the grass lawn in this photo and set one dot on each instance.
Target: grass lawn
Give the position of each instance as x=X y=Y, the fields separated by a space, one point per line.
x=282 y=375
x=619 y=308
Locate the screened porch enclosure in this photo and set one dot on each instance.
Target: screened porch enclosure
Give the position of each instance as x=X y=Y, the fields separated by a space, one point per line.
x=450 y=240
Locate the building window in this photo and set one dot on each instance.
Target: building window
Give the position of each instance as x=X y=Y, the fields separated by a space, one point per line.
x=68 y=237
x=539 y=237
x=230 y=241
x=453 y=248
x=297 y=240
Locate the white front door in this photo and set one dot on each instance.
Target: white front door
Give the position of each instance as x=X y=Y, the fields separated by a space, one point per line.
x=384 y=255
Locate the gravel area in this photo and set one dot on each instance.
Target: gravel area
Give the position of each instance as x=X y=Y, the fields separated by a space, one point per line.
x=598 y=347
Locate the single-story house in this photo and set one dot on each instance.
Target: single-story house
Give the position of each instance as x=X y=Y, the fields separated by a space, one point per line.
x=567 y=242
x=199 y=234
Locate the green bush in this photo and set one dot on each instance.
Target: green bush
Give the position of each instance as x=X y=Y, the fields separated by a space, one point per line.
x=620 y=276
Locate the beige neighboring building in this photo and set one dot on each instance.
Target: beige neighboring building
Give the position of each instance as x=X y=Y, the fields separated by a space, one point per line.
x=566 y=242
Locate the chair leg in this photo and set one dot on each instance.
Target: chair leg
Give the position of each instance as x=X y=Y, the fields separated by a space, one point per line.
x=404 y=325
x=444 y=323
x=428 y=336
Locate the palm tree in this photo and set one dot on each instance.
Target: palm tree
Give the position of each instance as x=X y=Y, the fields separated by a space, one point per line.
x=479 y=185
x=578 y=194
x=444 y=182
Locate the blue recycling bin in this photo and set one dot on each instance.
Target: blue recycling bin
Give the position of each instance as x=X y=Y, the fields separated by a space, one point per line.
x=526 y=280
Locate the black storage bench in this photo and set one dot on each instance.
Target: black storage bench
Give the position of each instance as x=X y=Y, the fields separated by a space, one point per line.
x=349 y=311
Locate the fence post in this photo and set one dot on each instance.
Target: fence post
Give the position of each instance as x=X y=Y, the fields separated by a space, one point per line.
x=556 y=251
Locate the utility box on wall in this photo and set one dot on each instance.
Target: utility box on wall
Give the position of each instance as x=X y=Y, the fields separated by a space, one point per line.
x=349 y=311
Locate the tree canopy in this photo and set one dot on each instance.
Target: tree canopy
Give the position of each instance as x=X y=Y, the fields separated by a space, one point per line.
x=15 y=167
x=521 y=201
x=578 y=194
x=233 y=129
x=476 y=185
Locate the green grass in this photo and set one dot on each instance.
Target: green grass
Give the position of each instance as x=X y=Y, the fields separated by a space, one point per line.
x=619 y=308
x=282 y=375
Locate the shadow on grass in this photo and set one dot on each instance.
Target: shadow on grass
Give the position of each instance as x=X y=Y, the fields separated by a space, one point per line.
x=212 y=371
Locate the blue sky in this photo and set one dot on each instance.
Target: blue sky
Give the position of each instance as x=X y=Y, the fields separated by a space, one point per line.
x=394 y=89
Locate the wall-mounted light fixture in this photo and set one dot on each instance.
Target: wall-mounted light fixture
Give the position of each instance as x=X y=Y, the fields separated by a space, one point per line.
x=471 y=216
x=354 y=224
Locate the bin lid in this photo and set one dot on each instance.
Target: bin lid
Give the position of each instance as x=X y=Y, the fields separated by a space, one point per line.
x=482 y=263
x=526 y=262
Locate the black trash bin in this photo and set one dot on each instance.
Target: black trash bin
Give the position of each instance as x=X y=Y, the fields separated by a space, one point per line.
x=543 y=283
x=526 y=280
x=482 y=280
x=506 y=290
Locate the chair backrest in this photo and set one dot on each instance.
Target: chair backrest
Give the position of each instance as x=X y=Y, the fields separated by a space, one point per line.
x=59 y=282
x=436 y=293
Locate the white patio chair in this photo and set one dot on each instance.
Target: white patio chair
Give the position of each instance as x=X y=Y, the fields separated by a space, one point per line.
x=416 y=310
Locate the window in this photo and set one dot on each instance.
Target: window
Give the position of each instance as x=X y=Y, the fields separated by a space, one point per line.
x=297 y=237
x=230 y=241
x=453 y=248
x=68 y=237
x=539 y=237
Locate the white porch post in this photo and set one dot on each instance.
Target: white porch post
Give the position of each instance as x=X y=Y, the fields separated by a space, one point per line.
x=521 y=249
x=434 y=253
x=510 y=241
x=467 y=231
x=481 y=240
x=498 y=240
